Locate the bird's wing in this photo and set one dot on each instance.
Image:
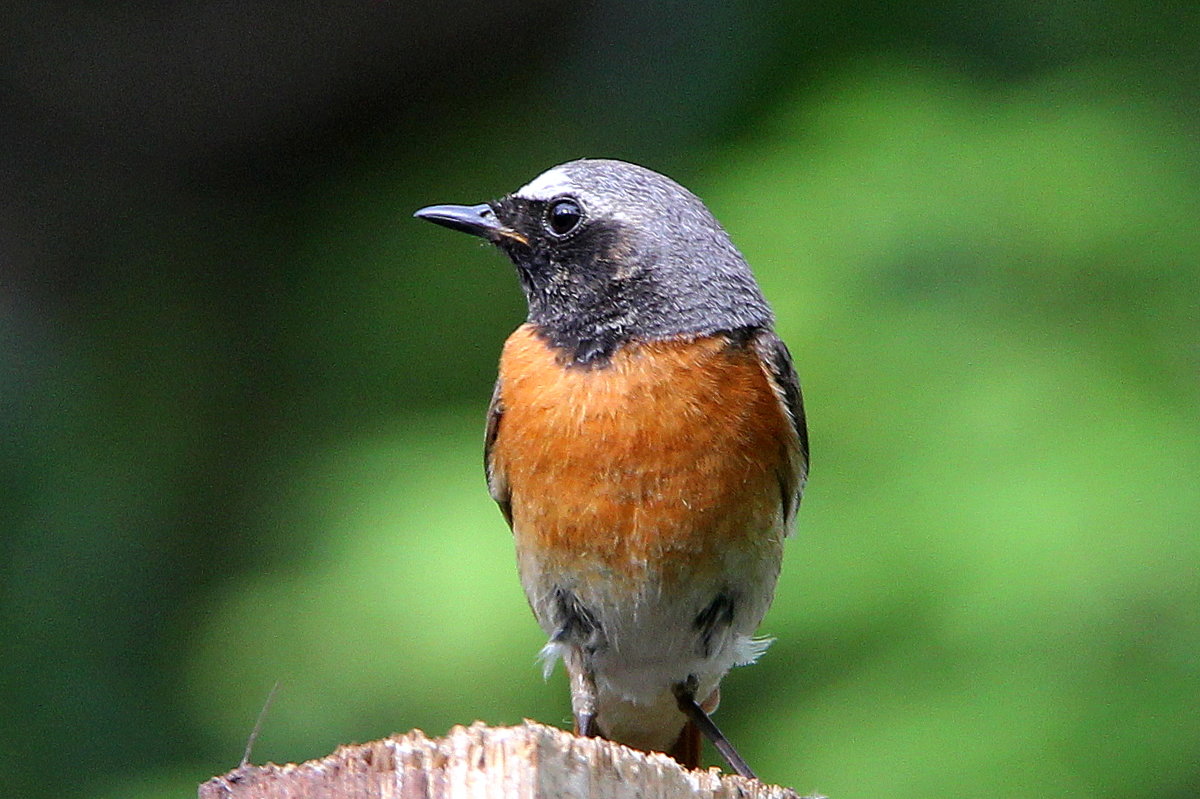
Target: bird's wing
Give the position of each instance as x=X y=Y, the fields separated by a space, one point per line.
x=497 y=482
x=777 y=363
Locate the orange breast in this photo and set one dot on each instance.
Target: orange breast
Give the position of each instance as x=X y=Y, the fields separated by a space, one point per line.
x=663 y=460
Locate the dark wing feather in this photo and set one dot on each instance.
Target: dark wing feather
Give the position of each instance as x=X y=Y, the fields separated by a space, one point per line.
x=777 y=362
x=497 y=484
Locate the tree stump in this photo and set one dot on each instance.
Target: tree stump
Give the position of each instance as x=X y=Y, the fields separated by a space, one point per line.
x=530 y=761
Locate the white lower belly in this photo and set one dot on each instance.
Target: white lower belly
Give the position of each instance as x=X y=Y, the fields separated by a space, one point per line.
x=650 y=640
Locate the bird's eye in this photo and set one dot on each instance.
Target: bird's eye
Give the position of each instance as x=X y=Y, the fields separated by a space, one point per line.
x=563 y=216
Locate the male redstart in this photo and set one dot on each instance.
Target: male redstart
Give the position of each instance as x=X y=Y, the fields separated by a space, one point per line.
x=646 y=443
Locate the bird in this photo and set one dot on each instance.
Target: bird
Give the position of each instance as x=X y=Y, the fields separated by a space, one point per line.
x=646 y=443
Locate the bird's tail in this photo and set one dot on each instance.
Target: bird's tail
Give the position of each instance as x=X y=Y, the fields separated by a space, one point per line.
x=686 y=749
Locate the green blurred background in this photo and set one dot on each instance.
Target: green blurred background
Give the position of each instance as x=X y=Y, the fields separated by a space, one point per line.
x=242 y=392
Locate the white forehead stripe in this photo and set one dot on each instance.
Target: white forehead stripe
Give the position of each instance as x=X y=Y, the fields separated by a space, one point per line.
x=547 y=185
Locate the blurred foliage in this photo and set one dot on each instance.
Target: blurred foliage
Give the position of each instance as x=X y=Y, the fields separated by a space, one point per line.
x=242 y=395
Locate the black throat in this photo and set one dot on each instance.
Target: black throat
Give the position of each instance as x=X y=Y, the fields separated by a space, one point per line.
x=584 y=297
x=586 y=321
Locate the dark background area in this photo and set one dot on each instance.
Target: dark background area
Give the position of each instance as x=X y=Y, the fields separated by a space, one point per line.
x=242 y=392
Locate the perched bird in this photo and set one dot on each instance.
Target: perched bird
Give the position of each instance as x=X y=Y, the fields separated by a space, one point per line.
x=646 y=443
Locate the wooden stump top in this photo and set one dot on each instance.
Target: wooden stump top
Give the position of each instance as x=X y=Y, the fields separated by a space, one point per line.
x=530 y=761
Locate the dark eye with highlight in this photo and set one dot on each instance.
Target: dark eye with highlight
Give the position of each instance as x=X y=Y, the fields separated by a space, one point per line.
x=563 y=216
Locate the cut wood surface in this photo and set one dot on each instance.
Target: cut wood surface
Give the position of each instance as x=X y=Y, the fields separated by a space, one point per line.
x=529 y=761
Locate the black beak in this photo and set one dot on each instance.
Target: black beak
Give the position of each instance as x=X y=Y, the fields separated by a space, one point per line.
x=478 y=220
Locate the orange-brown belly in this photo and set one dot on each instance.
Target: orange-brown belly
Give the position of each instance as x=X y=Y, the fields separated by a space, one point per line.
x=664 y=461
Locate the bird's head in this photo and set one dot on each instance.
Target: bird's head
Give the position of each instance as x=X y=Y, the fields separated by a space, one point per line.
x=609 y=252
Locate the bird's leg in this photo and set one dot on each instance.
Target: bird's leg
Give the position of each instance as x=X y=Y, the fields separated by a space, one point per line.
x=685 y=696
x=583 y=692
